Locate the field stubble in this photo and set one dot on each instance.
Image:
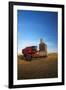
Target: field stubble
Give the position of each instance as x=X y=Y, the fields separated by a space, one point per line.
x=45 y=67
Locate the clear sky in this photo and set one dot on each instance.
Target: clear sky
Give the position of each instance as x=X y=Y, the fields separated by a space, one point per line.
x=33 y=25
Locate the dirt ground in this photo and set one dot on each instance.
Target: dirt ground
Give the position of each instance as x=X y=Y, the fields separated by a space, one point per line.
x=45 y=67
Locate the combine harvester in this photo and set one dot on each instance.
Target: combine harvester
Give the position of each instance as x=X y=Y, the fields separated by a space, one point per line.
x=31 y=51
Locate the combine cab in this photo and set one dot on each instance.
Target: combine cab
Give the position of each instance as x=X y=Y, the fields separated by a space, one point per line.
x=30 y=52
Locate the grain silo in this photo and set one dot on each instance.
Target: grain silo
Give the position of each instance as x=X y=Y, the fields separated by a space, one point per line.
x=42 y=48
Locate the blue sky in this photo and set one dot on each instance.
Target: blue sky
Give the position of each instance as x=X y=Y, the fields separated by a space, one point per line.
x=33 y=25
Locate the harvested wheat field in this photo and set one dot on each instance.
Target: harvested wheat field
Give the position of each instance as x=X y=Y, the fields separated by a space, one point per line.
x=45 y=67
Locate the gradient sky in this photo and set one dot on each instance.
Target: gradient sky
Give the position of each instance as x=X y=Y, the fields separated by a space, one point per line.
x=33 y=25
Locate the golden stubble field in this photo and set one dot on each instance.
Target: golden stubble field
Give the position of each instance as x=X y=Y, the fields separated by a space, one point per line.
x=45 y=67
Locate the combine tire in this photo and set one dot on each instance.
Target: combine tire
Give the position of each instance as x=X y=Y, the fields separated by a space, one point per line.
x=28 y=57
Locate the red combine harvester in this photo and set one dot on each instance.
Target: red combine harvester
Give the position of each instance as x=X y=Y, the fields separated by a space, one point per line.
x=30 y=52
